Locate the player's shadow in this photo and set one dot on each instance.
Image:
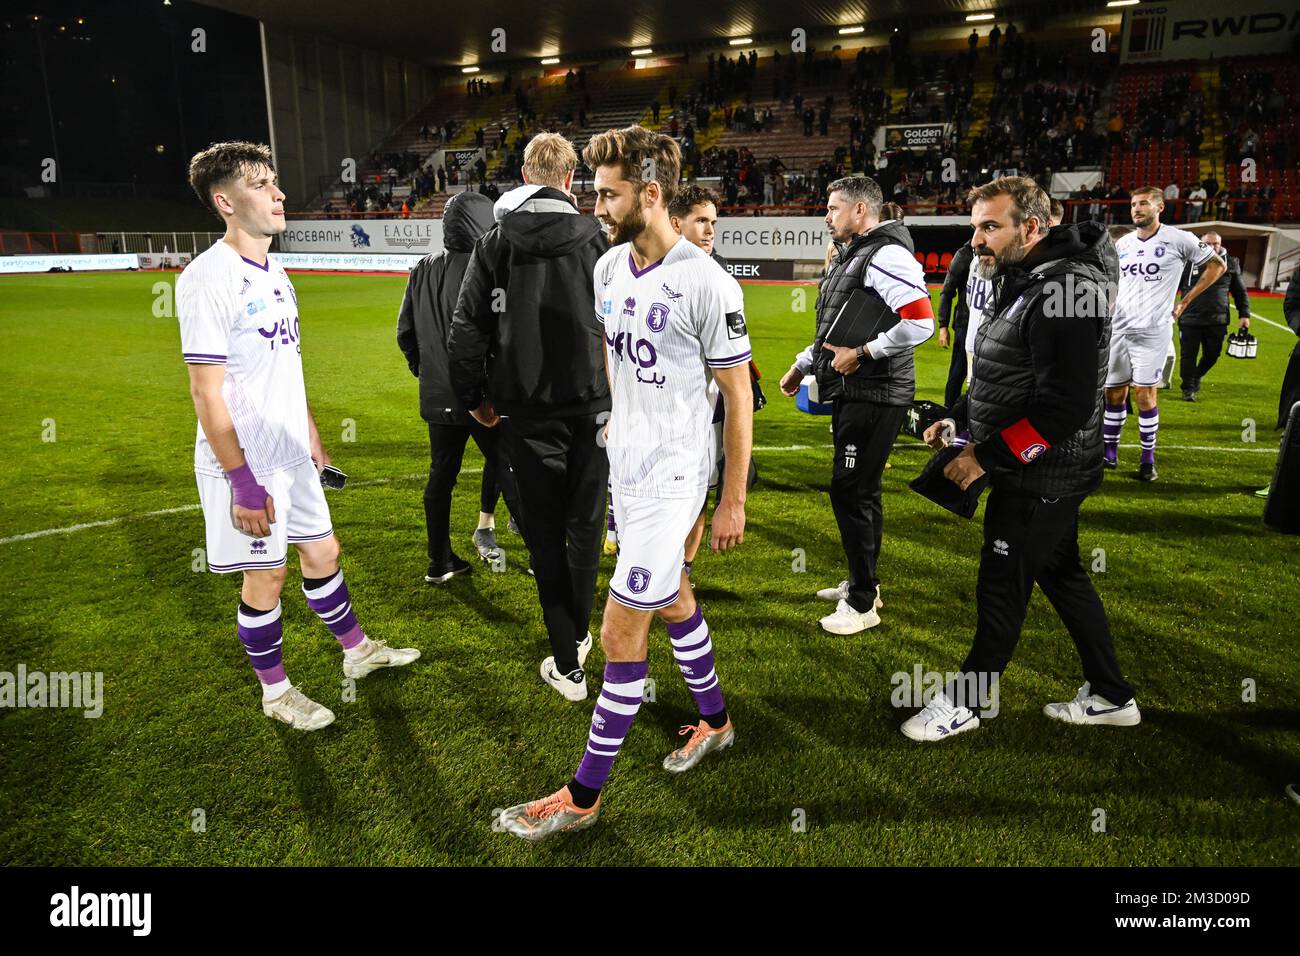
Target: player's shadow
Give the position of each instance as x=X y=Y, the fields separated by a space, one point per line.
x=1195 y=526
x=1221 y=734
x=415 y=780
x=317 y=797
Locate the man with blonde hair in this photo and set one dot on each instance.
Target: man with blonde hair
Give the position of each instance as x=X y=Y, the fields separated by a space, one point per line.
x=672 y=316
x=525 y=353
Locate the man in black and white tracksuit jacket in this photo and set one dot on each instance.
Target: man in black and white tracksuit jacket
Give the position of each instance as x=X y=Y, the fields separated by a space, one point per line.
x=871 y=387
x=1034 y=414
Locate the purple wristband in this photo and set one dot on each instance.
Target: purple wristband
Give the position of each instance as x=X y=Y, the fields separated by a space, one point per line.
x=246 y=490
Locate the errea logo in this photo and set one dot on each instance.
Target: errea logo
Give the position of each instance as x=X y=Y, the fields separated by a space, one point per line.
x=1001 y=548
x=850 y=456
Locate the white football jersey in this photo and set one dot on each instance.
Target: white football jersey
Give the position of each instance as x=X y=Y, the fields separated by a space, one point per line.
x=979 y=293
x=665 y=328
x=237 y=313
x=1149 y=273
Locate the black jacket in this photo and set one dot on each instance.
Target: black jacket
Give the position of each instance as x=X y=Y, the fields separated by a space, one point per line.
x=1035 y=402
x=887 y=381
x=525 y=332
x=1291 y=304
x=954 y=287
x=424 y=321
x=1211 y=306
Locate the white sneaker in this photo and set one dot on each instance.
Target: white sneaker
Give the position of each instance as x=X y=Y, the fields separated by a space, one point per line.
x=572 y=686
x=299 y=711
x=841 y=593
x=845 y=620
x=1089 y=708
x=381 y=655
x=584 y=648
x=939 y=719
x=1293 y=792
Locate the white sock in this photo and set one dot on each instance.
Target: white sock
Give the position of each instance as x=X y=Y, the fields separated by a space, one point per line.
x=361 y=650
x=486 y=520
x=278 y=689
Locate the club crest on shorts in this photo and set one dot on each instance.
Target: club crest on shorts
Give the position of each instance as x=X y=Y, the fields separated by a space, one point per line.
x=638 y=579
x=657 y=317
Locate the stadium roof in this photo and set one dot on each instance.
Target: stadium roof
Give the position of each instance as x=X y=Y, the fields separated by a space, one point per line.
x=453 y=34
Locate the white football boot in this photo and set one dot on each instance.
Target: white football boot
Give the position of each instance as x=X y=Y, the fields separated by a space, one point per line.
x=299 y=711
x=381 y=655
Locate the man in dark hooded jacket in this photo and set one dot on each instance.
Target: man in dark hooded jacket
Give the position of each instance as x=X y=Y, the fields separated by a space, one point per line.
x=423 y=324
x=1034 y=413
x=528 y=352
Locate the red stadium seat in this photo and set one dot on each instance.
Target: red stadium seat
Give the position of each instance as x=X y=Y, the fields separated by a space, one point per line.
x=945 y=261
x=932 y=262
x=920 y=257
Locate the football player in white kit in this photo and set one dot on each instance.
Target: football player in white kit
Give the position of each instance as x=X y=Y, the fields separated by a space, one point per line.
x=257 y=454
x=1151 y=263
x=673 y=319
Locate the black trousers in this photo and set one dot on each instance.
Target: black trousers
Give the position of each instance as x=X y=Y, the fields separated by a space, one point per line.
x=1031 y=540
x=562 y=473
x=1205 y=339
x=1290 y=387
x=864 y=436
x=956 y=366
x=446 y=452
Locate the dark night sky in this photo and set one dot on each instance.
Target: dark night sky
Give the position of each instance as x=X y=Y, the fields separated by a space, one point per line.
x=121 y=83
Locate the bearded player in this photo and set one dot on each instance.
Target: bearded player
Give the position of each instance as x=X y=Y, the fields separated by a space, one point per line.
x=258 y=454
x=1151 y=263
x=672 y=316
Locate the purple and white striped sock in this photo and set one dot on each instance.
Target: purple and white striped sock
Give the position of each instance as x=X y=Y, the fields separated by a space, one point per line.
x=616 y=709
x=1111 y=428
x=961 y=439
x=262 y=634
x=1148 y=426
x=333 y=605
x=693 y=651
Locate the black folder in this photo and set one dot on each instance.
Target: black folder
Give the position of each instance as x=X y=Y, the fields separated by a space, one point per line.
x=931 y=483
x=860 y=319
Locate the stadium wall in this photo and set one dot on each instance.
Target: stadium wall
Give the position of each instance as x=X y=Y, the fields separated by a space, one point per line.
x=328 y=101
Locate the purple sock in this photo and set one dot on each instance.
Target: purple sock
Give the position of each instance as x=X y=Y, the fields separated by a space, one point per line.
x=1148 y=426
x=261 y=633
x=620 y=699
x=609 y=517
x=693 y=651
x=333 y=605
x=1112 y=426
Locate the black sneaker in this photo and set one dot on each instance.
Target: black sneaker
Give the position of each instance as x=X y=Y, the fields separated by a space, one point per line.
x=1147 y=471
x=1111 y=463
x=441 y=574
x=1189 y=394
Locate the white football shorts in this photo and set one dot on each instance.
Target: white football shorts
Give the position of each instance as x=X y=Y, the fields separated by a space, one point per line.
x=301 y=514
x=651 y=548
x=1137 y=358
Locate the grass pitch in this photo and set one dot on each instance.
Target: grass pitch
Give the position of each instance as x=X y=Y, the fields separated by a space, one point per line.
x=1200 y=595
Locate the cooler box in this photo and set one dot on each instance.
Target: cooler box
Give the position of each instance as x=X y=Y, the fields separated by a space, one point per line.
x=806 y=401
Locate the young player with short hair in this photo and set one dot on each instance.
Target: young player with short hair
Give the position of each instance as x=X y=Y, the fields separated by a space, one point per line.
x=258 y=454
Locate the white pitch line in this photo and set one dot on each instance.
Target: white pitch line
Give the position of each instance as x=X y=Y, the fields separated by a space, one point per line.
x=108 y=522
x=1260 y=318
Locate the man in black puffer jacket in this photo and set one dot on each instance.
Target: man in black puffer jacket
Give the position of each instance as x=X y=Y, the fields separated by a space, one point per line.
x=422 y=327
x=1034 y=416
x=528 y=351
